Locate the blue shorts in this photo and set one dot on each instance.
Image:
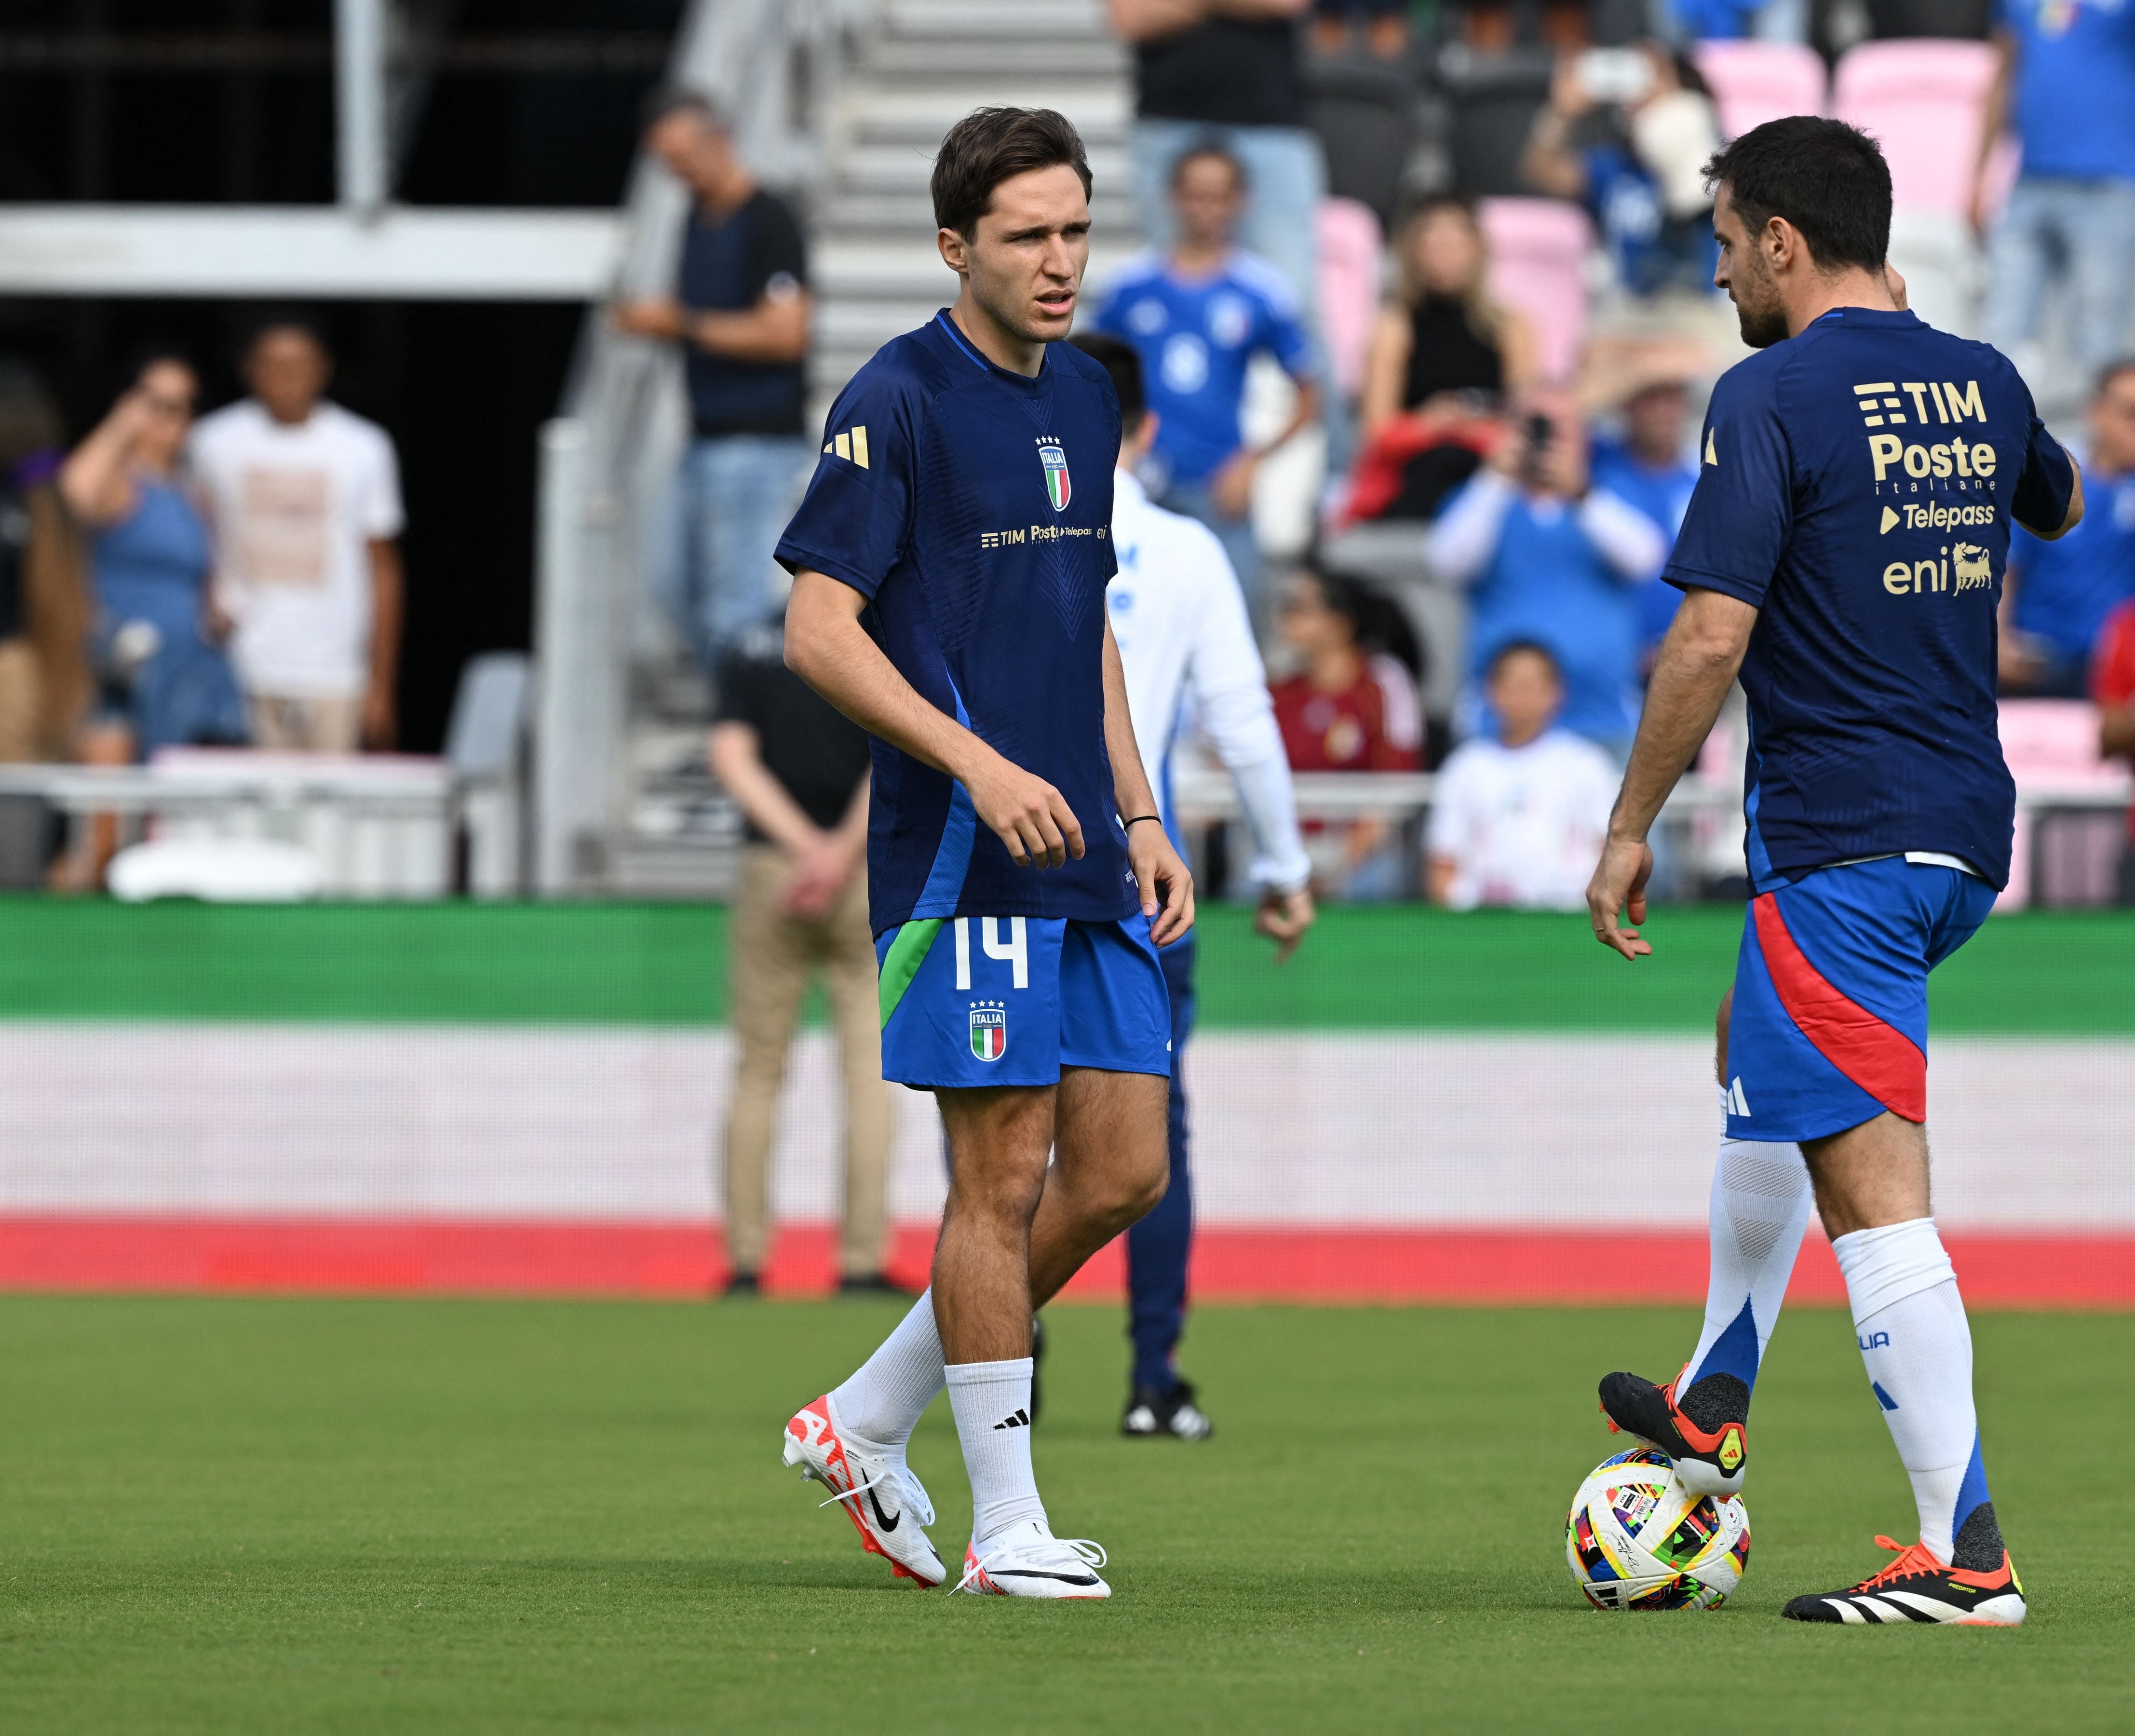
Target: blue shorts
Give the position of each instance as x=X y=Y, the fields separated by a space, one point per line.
x=977 y=1001
x=1830 y=1022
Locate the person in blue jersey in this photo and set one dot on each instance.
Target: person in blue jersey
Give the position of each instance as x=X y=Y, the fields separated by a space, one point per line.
x=1186 y=646
x=1197 y=316
x=1651 y=467
x=1843 y=550
x=949 y=561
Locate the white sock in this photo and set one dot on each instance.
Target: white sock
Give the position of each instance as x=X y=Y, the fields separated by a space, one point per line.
x=1910 y=1322
x=992 y=1403
x=1761 y=1205
x=883 y=1401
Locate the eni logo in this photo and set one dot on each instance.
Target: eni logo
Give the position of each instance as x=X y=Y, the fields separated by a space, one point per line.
x=1972 y=566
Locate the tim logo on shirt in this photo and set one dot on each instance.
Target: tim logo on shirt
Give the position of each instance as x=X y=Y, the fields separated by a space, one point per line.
x=1058 y=489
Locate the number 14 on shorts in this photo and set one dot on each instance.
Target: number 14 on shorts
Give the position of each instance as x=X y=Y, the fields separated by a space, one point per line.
x=1015 y=952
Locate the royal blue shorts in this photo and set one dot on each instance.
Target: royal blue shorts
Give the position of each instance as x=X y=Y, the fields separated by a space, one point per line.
x=1830 y=1024
x=975 y=1000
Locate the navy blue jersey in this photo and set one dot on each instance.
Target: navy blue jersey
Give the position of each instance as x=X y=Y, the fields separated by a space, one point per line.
x=1857 y=486
x=972 y=507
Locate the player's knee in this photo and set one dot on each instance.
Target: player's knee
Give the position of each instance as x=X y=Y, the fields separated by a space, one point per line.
x=1720 y=1034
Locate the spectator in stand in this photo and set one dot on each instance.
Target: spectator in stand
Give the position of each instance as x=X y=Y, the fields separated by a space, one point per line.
x=740 y=312
x=2113 y=687
x=1653 y=468
x=304 y=500
x=164 y=679
x=1352 y=707
x=1384 y=24
x=1519 y=814
x=1197 y=316
x=1443 y=359
x=1728 y=20
x=45 y=684
x=1643 y=180
x=2055 y=595
x=2066 y=87
x=798 y=769
x=1227 y=72
x=1550 y=559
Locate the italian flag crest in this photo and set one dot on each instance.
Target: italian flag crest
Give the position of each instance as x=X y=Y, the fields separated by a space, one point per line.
x=1058 y=489
x=989 y=1031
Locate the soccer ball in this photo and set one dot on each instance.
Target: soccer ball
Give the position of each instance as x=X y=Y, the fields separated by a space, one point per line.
x=1638 y=1540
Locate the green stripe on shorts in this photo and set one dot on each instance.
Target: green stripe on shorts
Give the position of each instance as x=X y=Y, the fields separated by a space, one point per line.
x=901 y=963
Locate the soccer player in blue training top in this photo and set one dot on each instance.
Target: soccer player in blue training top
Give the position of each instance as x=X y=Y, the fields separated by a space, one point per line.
x=949 y=569
x=1843 y=550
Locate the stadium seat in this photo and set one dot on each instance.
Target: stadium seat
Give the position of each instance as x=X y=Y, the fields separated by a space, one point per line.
x=1922 y=101
x=1363 y=110
x=1753 y=82
x=2051 y=747
x=1351 y=257
x=1538 y=249
x=1494 y=98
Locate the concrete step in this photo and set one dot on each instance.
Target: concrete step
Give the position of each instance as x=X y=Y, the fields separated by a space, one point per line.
x=1101 y=111
x=985 y=61
x=905 y=168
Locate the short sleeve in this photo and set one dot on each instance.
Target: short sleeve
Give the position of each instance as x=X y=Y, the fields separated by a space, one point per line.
x=1282 y=336
x=856 y=517
x=1447 y=835
x=740 y=683
x=2045 y=484
x=779 y=263
x=1742 y=512
x=378 y=509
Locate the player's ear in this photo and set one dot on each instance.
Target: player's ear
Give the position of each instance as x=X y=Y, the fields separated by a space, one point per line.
x=956 y=250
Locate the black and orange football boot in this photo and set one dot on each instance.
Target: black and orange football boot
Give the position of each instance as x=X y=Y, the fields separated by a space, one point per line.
x=1918 y=1587
x=1708 y=1434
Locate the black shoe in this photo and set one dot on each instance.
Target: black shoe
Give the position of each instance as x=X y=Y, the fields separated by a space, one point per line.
x=1708 y=1435
x=1036 y=1362
x=1152 y=1412
x=873 y=1283
x=741 y=1284
x=1917 y=1587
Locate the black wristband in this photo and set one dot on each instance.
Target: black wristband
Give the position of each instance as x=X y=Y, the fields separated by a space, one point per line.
x=1139 y=819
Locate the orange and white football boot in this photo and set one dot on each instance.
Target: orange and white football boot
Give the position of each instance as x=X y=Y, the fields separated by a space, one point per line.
x=884 y=1500
x=1027 y=1560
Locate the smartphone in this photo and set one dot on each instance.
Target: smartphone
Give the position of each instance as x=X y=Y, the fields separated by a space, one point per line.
x=1615 y=75
x=1540 y=430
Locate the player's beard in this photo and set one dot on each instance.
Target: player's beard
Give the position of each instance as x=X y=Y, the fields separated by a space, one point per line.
x=1758 y=309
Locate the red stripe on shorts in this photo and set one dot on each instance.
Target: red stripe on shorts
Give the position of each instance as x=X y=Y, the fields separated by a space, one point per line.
x=1880 y=1059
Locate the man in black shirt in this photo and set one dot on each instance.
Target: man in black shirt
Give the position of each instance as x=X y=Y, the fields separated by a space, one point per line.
x=1226 y=72
x=740 y=312
x=799 y=770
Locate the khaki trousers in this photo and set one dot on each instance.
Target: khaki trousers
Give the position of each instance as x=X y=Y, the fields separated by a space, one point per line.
x=288 y=723
x=773 y=955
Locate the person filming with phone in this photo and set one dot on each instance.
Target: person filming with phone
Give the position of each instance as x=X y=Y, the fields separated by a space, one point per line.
x=1550 y=560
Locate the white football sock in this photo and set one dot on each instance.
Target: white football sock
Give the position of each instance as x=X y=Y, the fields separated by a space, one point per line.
x=883 y=1401
x=992 y=1403
x=1761 y=1205
x=1908 y=1321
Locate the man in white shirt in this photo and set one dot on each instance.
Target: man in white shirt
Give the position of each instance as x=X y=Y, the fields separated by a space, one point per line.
x=1180 y=620
x=1518 y=817
x=305 y=497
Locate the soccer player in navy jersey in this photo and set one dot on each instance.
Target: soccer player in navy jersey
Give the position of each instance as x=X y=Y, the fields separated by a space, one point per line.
x=1843 y=550
x=949 y=565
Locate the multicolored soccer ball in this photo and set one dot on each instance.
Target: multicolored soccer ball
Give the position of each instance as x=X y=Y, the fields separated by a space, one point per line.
x=1638 y=1540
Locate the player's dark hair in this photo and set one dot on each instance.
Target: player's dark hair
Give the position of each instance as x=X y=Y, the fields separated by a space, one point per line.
x=663 y=100
x=1532 y=647
x=1116 y=356
x=1378 y=623
x=1210 y=148
x=989 y=146
x=285 y=319
x=1828 y=179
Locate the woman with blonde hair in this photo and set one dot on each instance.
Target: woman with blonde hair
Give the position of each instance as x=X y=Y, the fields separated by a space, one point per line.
x=1445 y=358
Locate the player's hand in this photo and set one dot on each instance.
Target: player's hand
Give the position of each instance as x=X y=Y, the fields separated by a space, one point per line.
x=1283 y=918
x=1894 y=280
x=818 y=876
x=1026 y=813
x=1232 y=487
x=1166 y=883
x=1619 y=885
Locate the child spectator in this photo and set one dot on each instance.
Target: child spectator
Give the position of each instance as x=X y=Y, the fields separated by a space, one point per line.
x=1352 y=707
x=1444 y=357
x=2055 y=595
x=304 y=498
x=1520 y=815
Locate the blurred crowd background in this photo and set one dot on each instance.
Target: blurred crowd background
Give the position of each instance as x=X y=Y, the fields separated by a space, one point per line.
x=1423 y=297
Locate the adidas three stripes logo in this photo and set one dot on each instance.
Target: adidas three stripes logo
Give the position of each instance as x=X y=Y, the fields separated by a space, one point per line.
x=1021 y=1419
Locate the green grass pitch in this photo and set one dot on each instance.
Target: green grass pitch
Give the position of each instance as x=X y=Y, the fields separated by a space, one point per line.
x=415 y=1516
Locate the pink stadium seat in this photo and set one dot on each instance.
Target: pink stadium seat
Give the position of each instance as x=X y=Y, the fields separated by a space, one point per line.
x=1350 y=256
x=1538 y=249
x=1921 y=100
x=2051 y=745
x=1754 y=82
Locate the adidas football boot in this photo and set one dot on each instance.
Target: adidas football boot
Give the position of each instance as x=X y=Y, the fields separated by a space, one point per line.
x=1917 y=1587
x=881 y=1497
x=1708 y=1434
x=1029 y=1561
x=1152 y=1412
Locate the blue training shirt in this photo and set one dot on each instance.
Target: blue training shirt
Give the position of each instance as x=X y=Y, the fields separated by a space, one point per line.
x=1196 y=336
x=2066 y=588
x=2073 y=103
x=1857 y=486
x=972 y=507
